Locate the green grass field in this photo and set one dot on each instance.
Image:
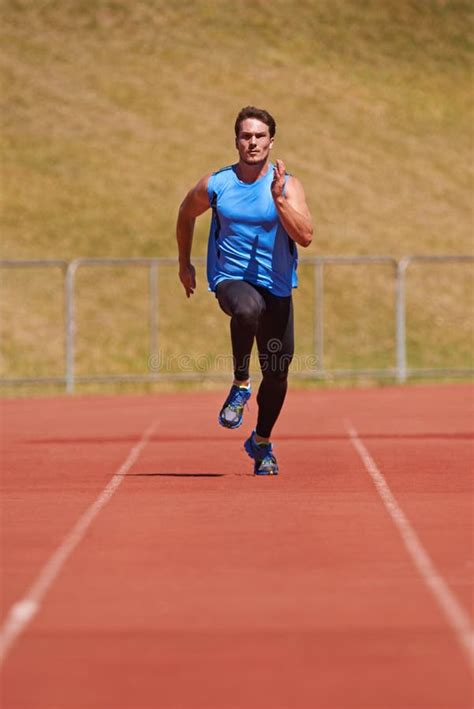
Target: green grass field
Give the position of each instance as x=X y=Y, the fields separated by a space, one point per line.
x=113 y=109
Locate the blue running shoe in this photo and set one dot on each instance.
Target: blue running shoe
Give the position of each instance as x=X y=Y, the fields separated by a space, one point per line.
x=262 y=454
x=232 y=410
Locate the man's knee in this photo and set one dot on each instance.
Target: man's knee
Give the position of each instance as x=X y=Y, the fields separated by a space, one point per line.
x=247 y=312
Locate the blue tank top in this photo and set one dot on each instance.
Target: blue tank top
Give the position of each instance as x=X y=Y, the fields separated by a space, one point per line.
x=247 y=240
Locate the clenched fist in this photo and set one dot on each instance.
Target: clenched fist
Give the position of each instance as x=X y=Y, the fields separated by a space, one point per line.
x=278 y=183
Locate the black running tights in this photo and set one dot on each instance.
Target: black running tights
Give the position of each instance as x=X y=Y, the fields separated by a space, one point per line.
x=257 y=314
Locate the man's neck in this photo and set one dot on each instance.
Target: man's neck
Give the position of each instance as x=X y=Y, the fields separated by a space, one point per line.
x=251 y=173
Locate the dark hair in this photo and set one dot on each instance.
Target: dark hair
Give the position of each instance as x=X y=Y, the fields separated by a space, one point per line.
x=260 y=114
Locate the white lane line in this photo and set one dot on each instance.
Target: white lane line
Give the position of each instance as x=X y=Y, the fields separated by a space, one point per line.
x=22 y=612
x=454 y=613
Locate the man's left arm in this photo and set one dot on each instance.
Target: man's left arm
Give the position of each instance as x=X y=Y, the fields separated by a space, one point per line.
x=290 y=202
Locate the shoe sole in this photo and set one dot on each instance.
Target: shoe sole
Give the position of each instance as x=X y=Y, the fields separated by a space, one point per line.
x=233 y=426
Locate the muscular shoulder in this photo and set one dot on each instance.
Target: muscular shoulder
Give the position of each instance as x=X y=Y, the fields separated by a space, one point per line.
x=201 y=185
x=294 y=189
x=197 y=199
x=293 y=185
x=295 y=194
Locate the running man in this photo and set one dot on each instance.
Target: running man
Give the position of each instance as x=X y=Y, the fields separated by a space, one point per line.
x=259 y=215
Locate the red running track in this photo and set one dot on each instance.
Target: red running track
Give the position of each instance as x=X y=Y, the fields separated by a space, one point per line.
x=189 y=583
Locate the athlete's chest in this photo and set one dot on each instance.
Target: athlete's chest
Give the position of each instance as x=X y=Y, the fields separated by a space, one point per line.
x=252 y=205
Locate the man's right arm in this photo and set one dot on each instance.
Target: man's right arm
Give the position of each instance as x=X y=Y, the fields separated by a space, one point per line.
x=195 y=203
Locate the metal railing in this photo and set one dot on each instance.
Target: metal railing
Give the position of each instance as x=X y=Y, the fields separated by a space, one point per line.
x=400 y=371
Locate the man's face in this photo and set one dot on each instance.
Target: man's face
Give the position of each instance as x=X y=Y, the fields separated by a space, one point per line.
x=253 y=142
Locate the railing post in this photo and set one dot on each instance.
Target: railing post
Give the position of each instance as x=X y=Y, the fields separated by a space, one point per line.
x=70 y=326
x=400 y=306
x=319 y=313
x=152 y=362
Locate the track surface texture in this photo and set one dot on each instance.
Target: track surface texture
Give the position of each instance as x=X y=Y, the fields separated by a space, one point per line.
x=145 y=567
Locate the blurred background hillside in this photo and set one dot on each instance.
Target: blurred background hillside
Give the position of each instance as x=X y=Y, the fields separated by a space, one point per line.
x=113 y=109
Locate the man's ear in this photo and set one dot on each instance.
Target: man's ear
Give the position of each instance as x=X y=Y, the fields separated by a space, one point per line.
x=271 y=143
